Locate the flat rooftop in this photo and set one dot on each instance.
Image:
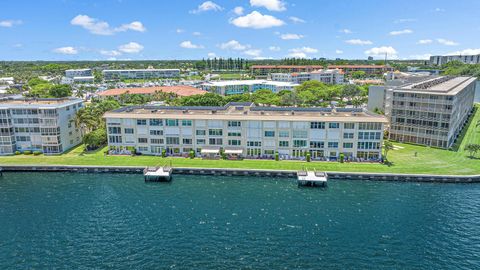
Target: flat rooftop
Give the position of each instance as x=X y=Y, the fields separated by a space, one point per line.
x=39 y=102
x=247 y=111
x=180 y=90
x=249 y=82
x=146 y=69
x=447 y=85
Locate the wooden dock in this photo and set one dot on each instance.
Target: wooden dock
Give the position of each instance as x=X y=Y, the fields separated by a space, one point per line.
x=158 y=174
x=312 y=178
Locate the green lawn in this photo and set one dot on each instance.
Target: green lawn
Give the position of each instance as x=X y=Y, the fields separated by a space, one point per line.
x=403 y=159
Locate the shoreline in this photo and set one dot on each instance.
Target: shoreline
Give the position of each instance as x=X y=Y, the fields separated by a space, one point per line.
x=396 y=177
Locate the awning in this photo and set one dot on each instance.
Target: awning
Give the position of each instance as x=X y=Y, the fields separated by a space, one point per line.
x=234 y=151
x=210 y=151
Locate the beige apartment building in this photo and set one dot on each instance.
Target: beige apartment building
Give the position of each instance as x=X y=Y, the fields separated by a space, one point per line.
x=246 y=130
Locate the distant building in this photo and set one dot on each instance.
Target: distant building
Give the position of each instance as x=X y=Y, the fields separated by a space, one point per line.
x=439 y=60
x=45 y=125
x=149 y=73
x=69 y=80
x=368 y=69
x=71 y=73
x=246 y=130
x=7 y=81
x=429 y=111
x=327 y=76
x=181 y=90
x=370 y=58
x=246 y=86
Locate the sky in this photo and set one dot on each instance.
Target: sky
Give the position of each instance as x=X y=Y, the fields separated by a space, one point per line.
x=255 y=29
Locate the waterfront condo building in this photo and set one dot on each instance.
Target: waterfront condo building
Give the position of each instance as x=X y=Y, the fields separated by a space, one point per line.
x=327 y=76
x=262 y=71
x=439 y=60
x=246 y=86
x=149 y=73
x=431 y=111
x=246 y=130
x=45 y=125
x=72 y=73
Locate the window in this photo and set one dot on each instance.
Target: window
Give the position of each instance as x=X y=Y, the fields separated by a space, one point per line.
x=253 y=151
x=172 y=140
x=156 y=122
x=333 y=125
x=142 y=149
x=283 y=144
x=234 y=134
x=300 y=133
x=299 y=143
x=348 y=135
x=215 y=132
x=187 y=123
x=317 y=125
x=234 y=142
x=316 y=144
x=128 y=131
x=234 y=124
x=215 y=141
x=332 y=144
x=187 y=141
x=200 y=141
x=348 y=145
x=156 y=132
x=368 y=145
x=142 y=140
x=283 y=134
x=269 y=152
x=269 y=133
x=370 y=126
x=156 y=141
x=141 y=122
x=349 y=125
x=200 y=132
x=114 y=130
x=115 y=139
x=171 y=122
x=254 y=144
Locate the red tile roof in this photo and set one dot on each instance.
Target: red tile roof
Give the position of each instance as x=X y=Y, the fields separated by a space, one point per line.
x=181 y=90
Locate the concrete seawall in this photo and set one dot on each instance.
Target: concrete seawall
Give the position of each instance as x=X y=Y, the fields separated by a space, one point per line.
x=252 y=172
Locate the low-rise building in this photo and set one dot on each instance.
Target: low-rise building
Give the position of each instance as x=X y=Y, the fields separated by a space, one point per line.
x=71 y=80
x=246 y=86
x=180 y=90
x=439 y=60
x=45 y=125
x=149 y=73
x=368 y=69
x=243 y=129
x=71 y=73
x=327 y=76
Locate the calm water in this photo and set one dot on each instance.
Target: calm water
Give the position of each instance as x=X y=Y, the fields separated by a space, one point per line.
x=55 y=220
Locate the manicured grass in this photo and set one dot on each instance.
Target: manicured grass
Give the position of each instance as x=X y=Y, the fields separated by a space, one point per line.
x=403 y=160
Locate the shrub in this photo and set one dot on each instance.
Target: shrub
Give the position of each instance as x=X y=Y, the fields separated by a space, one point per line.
x=342 y=157
x=276 y=156
x=36 y=153
x=164 y=153
x=95 y=139
x=17 y=152
x=192 y=154
x=308 y=157
x=27 y=152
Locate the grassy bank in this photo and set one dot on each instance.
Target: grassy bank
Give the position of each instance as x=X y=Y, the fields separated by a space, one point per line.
x=403 y=159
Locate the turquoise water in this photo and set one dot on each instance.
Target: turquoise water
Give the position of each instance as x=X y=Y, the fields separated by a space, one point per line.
x=116 y=221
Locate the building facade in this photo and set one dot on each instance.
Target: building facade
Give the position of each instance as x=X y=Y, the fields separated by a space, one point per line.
x=72 y=73
x=149 y=73
x=45 y=125
x=439 y=60
x=327 y=76
x=246 y=86
x=247 y=130
x=430 y=112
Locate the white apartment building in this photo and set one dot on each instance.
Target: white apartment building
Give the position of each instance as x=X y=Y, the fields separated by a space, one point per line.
x=327 y=76
x=439 y=60
x=45 y=125
x=246 y=86
x=71 y=73
x=148 y=73
x=247 y=130
x=430 y=111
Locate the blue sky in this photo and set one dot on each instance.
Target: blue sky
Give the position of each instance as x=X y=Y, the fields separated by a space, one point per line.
x=188 y=29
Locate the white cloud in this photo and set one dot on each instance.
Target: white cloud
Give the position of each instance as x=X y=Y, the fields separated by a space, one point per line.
x=290 y=36
x=425 y=56
x=98 y=27
x=401 y=32
x=256 y=20
x=358 y=42
x=110 y=53
x=66 y=50
x=274 y=48
x=131 y=47
x=196 y=33
x=238 y=11
x=381 y=51
x=207 y=6
x=439 y=9
x=253 y=52
x=301 y=52
x=10 y=23
x=338 y=51
x=346 y=31
x=272 y=5
x=424 y=41
x=466 y=52
x=296 y=19
x=261 y=58
x=179 y=30
x=233 y=45
x=189 y=45
x=407 y=20
x=211 y=55
x=447 y=42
